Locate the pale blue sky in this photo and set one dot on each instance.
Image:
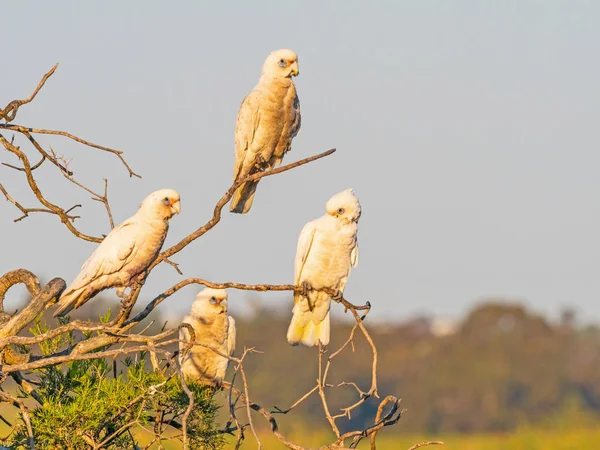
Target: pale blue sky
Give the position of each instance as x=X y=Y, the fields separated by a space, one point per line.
x=469 y=131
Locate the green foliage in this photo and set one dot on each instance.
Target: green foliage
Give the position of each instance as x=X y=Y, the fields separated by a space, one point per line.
x=84 y=404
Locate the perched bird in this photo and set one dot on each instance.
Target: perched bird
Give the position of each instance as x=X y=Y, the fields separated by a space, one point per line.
x=213 y=328
x=327 y=249
x=267 y=121
x=125 y=253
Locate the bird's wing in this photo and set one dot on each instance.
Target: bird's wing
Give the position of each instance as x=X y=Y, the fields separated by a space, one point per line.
x=297 y=120
x=184 y=334
x=113 y=253
x=305 y=241
x=248 y=120
x=231 y=334
x=354 y=255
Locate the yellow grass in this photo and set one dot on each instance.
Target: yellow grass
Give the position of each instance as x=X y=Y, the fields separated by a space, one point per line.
x=524 y=439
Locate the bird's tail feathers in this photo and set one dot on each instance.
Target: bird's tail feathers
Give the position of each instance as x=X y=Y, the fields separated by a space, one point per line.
x=67 y=302
x=303 y=330
x=243 y=198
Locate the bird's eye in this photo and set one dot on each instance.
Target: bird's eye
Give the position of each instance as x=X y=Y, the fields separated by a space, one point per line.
x=213 y=300
x=282 y=63
x=341 y=211
x=166 y=201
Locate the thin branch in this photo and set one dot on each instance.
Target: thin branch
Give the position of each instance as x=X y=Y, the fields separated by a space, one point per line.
x=102 y=198
x=226 y=197
x=9 y=113
x=321 y=385
x=116 y=433
x=190 y=406
x=118 y=153
x=48 y=294
x=390 y=418
x=246 y=394
x=24 y=211
x=64 y=217
x=424 y=444
x=304 y=397
x=19 y=276
x=19 y=404
x=53 y=360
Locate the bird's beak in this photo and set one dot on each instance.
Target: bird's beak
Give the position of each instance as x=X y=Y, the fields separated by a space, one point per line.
x=176 y=207
x=295 y=69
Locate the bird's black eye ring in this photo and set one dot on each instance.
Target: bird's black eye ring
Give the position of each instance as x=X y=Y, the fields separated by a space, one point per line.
x=282 y=63
x=340 y=211
x=166 y=201
x=213 y=300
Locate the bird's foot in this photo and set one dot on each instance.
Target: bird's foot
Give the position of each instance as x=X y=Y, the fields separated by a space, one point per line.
x=261 y=164
x=121 y=292
x=141 y=277
x=338 y=297
x=306 y=288
x=125 y=302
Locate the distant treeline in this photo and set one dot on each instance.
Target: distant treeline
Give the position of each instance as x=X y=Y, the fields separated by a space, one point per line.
x=500 y=367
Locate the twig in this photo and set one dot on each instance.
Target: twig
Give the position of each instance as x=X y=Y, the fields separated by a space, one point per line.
x=304 y=397
x=116 y=433
x=225 y=198
x=118 y=153
x=190 y=406
x=246 y=394
x=321 y=385
x=10 y=111
x=64 y=217
x=53 y=360
x=19 y=404
x=50 y=292
x=424 y=444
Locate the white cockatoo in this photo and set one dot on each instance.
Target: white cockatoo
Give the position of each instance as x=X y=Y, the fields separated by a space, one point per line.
x=327 y=249
x=125 y=253
x=213 y=328
x=267 y=121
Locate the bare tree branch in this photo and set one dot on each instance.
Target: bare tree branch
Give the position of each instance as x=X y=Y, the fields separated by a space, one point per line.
x=48 y=294
x=24 y=412
x=118 y=330
x=118 y=153
x=9 y=113
x=226 y=197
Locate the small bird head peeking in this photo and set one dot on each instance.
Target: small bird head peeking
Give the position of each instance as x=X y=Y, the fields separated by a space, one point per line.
x=162 y=204
x=281 y=64
x=210 y=303
x=344 y=206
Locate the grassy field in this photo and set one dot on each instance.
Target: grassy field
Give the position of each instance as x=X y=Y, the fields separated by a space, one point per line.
x=525 y=439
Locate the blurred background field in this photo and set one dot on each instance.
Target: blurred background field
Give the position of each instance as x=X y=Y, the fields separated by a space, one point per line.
x=522 y=439
x=501 y=377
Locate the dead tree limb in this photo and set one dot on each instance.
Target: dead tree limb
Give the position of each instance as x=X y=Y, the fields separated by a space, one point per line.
x=48 y=294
